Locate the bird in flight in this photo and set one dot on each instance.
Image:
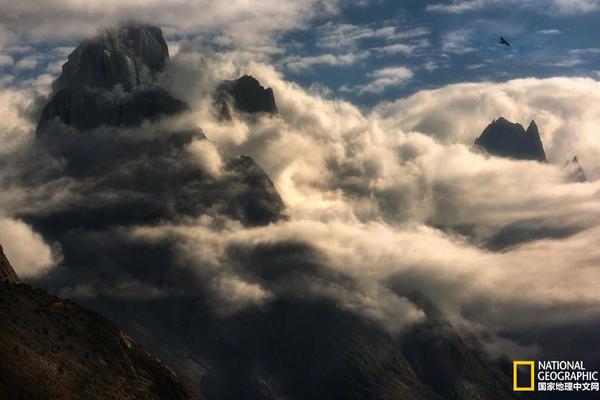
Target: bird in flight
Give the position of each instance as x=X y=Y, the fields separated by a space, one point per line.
x=503 y=41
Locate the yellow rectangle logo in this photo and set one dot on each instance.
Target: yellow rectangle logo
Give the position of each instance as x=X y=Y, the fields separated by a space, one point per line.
x=531 y=365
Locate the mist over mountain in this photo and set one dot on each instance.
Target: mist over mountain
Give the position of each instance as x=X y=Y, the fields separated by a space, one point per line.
x=575 y=171
x=142 y=175
x=296 y=247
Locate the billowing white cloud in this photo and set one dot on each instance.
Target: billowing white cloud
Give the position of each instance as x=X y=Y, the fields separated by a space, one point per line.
x=246 y=23
x=381 y=80
x=564 y=108
x=27 y=252
x=207 y=156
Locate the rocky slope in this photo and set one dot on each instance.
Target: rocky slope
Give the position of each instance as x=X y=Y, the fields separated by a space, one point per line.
x=506 y=139
x=55 y=349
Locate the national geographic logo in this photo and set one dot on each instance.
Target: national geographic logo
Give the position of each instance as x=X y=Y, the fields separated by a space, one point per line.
x=554 y=376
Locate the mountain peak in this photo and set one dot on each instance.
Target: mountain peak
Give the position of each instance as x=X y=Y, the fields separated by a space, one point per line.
x=245 y=95
x=111 y=79
x=130 y=55
x=532 y=130
x=507 y=139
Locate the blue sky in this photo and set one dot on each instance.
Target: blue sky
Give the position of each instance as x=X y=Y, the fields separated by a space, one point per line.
x=363 y=51
x=443 y=47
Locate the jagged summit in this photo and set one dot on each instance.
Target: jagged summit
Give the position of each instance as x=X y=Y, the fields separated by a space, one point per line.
x=574 y=170
x=245 y=95
x=129 y=56
x=111 y=80
x=506 y=139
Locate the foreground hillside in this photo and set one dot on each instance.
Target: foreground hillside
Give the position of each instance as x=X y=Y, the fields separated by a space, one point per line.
x=54 y=349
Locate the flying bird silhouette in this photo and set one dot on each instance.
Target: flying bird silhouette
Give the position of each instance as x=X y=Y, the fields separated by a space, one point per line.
x=503 y=41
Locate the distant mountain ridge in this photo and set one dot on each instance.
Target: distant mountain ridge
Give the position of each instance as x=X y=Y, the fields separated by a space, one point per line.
x=506 y=139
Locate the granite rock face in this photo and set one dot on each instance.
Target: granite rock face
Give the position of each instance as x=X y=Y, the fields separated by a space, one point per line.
x=111 y=80
x=506 y=139
x=243 y=95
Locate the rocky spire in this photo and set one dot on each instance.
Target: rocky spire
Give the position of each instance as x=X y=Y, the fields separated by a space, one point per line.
x=111 y=80
x=506 y=139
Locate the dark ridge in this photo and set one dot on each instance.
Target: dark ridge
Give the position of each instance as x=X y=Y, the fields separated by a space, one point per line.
x=506 y=139
x=243 y=95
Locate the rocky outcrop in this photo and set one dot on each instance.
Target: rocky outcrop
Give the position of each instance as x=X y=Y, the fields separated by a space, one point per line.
x=506 y=139
x=574 y=171
x=55 y=349
x=111 y=80
x=7 y=273
x=243 y=95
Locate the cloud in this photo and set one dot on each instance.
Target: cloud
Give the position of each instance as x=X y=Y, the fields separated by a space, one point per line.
x=6 y=60
x=382 y=79
x=398 y=48
x=565 y=7
x=333 y=35
x=252 y=25
x=369 y=196
x=458 y=42
x=562 y=107
x=27 y=252
x=207 y=156
x=548 y=32
x=27 y=63
x=297 y=64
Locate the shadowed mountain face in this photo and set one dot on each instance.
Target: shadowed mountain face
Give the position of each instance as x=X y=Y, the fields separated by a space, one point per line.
x=55 y=349
x=130 y=179
x=111 y=80
x=447 y=363
x=243 y=95
x=505 y=139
